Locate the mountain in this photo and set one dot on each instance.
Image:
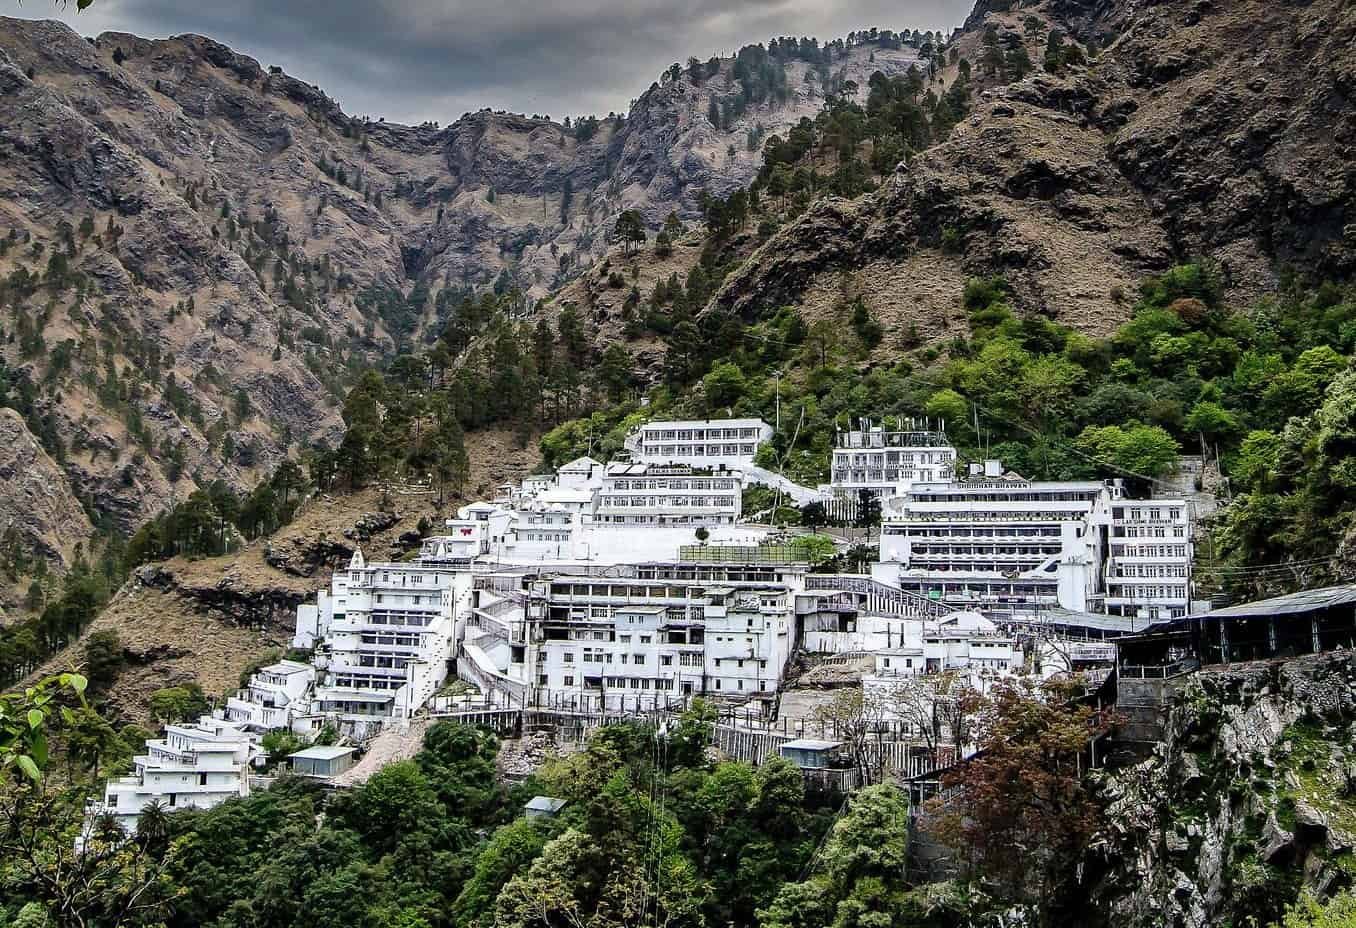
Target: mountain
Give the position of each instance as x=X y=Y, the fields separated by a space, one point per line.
x=202 y=252
x=198 y=252
x=1223 y=132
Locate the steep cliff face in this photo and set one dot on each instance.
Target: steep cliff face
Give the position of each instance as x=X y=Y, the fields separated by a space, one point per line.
x=194 y=248
x=38 y=512
x=1249 y=800
x=1224 y=132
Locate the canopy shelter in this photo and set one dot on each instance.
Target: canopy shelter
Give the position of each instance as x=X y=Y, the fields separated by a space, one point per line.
x=1307 y=622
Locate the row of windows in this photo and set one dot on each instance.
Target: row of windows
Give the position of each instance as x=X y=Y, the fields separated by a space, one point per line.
x=942 y=533
x=1136 y=591
x=598 y=591
x=1150 y=551
x=873 y=456
x=675 y=483
x=377 y=660
x=668 y=518
x=367 y=682
x=651 y=435
x=890 y=473
x=401 y=578
x=971 y=549
x=701 y=502
x=647 y=683
x=403 y=641
x=1138 y=513
x=391 y=617
x=1006 y=496
x=1150 y=570
x=1148 y=531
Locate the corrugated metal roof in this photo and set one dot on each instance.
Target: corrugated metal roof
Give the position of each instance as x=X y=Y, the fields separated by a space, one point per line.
x=545 y=804
x=1097 y=620
x=1290 y=604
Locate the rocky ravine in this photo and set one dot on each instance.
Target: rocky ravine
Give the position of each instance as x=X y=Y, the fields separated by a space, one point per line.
x=1222 y=131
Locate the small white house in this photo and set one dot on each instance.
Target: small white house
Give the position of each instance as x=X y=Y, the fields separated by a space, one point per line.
x=322 y=762
x=543 y=807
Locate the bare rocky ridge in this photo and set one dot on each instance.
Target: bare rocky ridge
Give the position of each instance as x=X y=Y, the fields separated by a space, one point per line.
x=36 y=503
x=203 y=175
x=1217 y=131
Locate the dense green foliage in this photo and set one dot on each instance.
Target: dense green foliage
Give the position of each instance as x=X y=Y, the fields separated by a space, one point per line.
x=653 y=832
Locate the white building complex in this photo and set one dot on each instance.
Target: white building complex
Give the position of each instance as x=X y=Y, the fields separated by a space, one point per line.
x=998 y=542
x=194 y=766
x=887 y=462
x=650 y=639
x=1148 y=569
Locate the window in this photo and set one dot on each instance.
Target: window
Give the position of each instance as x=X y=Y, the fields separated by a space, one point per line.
x=202 y=779
x=569 y=680
x=173 y=799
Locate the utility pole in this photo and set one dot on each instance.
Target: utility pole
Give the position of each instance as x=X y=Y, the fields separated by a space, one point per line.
x=778 y=378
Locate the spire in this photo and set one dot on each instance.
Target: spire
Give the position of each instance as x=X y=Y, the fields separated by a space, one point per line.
x=357 y=562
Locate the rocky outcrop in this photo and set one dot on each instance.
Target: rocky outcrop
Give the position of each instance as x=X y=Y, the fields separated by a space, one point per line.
x=176 y=170
x=1224 y=132
x=1249 y=798
x=228 y=599
x=37 y=509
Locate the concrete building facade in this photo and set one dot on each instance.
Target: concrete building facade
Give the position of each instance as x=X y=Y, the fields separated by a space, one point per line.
x=700 y=443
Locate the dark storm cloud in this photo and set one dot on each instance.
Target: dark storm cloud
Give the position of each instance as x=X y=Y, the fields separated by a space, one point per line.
x=411 y=60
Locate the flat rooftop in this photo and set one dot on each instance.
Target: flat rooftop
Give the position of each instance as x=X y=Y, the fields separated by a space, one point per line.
x=324 y=752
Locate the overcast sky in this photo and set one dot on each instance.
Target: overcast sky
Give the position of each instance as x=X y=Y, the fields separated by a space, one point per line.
x=412 y=60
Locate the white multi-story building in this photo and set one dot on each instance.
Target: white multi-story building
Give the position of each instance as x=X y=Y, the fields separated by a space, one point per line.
x=1148 y=569
x=1001 y=543
x=194 y=766
x=666 y=494
x=708 y=443
x=887 y=462
x=277 y=696
x=385 y=632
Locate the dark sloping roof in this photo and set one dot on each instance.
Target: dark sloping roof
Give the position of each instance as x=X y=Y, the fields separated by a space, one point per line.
x=1290 y=604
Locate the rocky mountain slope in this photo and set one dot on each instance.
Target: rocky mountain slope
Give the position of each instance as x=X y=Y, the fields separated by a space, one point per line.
x=195 y=249
x=1248 y=800
x=1224 y=132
